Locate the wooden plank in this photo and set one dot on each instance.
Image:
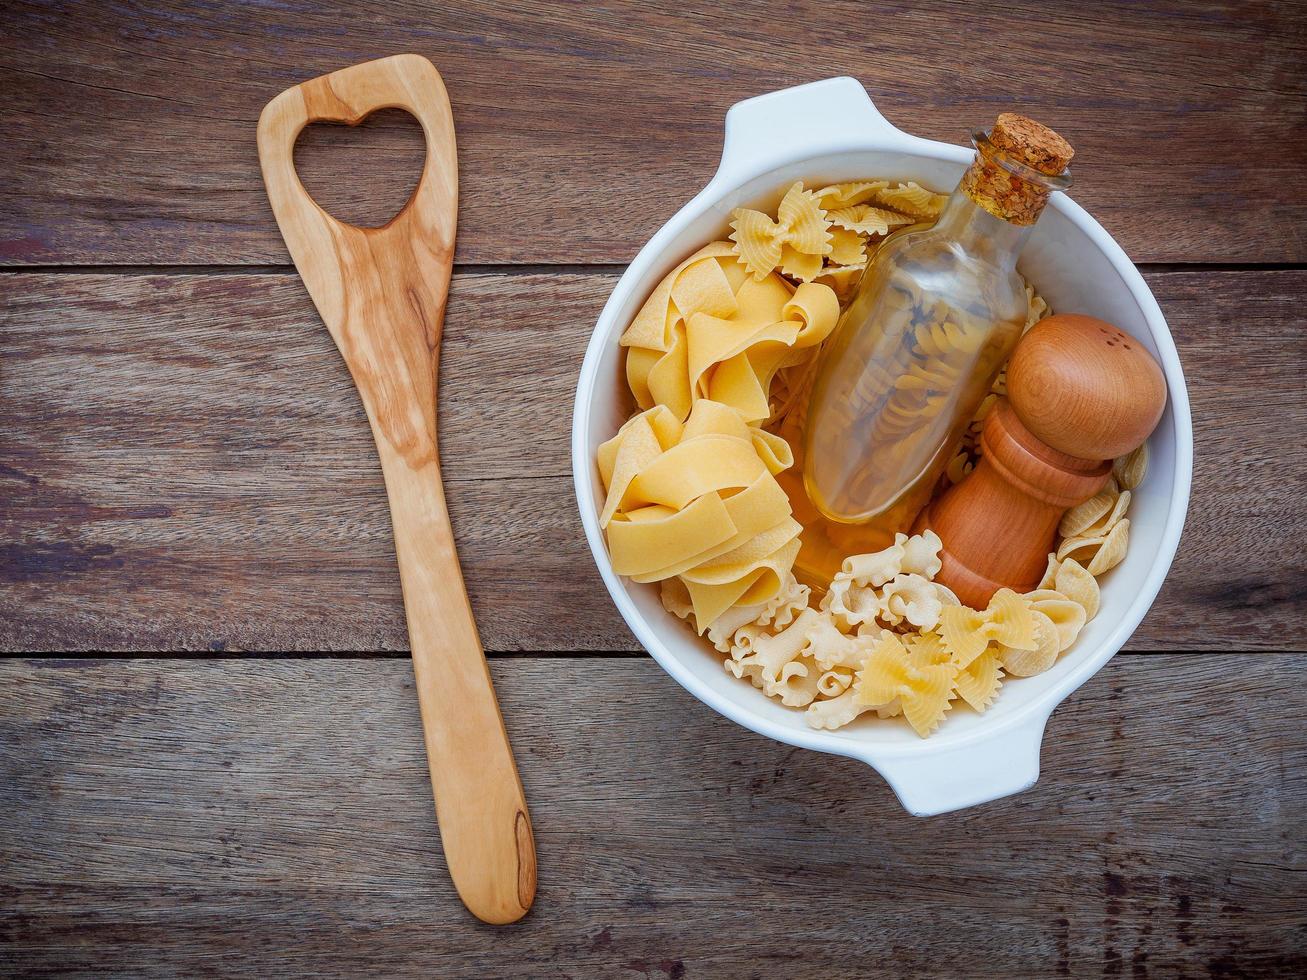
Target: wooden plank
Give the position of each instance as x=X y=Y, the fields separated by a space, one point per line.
x=274 y=819
x=186 y=466
x=130 y=129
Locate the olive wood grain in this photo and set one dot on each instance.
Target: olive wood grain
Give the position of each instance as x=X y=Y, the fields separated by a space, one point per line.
x=169 y=818
x=183 y=466
x=382 y=292
x=1080 y=393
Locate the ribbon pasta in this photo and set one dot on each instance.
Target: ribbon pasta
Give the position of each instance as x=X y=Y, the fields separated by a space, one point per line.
x=700 y=501
x=709 y=331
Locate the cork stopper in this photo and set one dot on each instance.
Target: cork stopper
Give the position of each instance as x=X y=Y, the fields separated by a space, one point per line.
x=1031 y=143
x=1018 y=164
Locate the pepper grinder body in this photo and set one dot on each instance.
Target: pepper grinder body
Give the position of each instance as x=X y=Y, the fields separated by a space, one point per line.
x=1000 y=523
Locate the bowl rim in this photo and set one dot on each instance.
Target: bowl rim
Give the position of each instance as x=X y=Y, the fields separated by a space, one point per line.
x=1030 y=715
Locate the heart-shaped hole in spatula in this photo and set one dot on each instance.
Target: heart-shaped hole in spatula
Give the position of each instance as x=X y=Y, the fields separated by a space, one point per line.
x=362 y=175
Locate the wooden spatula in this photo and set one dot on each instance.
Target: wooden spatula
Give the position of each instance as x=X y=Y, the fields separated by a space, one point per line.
x=381 y=293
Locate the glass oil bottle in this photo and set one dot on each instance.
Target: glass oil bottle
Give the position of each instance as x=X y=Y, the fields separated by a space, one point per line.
x=934 y=319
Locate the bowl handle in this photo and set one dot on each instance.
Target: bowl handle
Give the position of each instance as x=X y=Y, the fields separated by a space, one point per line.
x=999 y=764
x=832 y=115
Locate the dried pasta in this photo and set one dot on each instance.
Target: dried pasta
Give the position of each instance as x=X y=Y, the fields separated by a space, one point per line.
x=708 y=331
x=1067 y=616
x=835 y=712
x=1006 y=620
x=1076 y=583
x=890 y=587
x=849 y=193
x=699 y=501
x=913 y=199
x=979 y=681
x=912 y=599
x=1028 y=663
x=716 y=356
x=922 y=685
x=795 y=241
x=1129 y=470
x=825 y=235
x=1103 y=551
x=864 y=219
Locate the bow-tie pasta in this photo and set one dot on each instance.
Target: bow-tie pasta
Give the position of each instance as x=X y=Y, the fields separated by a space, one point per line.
x=914 y=200
x=863 y=219
x=816 y=233
x=914 y=674
x=794 y=243
x=1006 y=621
x=849 y=193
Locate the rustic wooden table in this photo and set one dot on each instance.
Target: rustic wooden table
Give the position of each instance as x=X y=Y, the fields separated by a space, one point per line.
x=210 y=757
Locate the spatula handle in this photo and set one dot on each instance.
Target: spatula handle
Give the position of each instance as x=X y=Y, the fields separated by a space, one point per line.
x=381 y=292
x=484 y=825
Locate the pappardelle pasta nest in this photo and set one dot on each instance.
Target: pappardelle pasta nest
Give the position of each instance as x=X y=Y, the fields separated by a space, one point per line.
x=714 y=360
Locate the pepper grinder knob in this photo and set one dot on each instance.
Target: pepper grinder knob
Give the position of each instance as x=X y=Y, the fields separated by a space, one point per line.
x=1085 y=387
x=1080 y=393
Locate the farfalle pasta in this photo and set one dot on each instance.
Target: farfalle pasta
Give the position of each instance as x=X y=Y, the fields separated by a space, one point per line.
x=1005 y=621
x=913 y=674
x=912 y=199
x=864 y=219
x=849 y=193
x=978 y=682
x=827 y=234
x=716 y=359
x=795 y=242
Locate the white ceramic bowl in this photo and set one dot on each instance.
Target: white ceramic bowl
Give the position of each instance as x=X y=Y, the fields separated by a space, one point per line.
x=821 y=133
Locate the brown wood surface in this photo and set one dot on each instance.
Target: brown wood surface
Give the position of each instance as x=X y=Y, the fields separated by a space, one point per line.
x=583 y=127
x=185 y=466
x=271 y=818
x=189 y=467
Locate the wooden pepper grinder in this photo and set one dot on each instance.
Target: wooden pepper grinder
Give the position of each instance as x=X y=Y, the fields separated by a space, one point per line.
x=1080 y=393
